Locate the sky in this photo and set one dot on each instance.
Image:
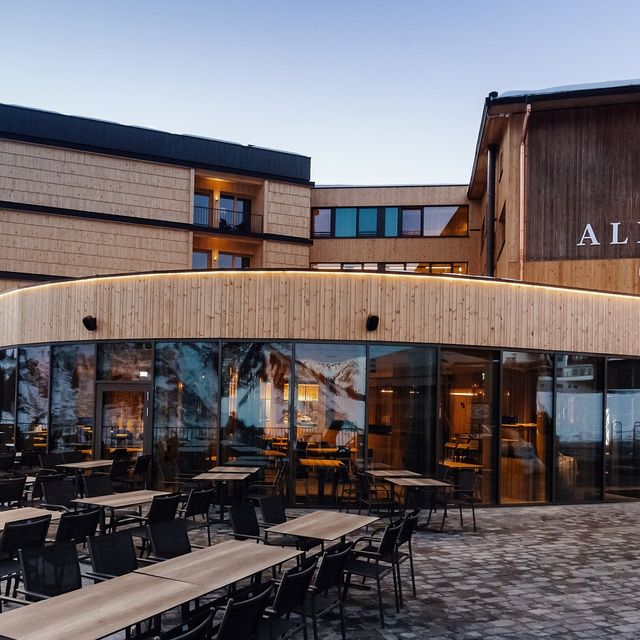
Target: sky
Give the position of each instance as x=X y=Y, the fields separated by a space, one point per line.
x=375 y=91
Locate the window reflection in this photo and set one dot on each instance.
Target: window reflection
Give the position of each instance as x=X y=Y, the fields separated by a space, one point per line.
x=125 y=361
x=8 y=365
x=33 y=399
x=578 y=428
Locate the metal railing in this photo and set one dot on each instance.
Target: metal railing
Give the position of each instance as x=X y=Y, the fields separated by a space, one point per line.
x=227 y=220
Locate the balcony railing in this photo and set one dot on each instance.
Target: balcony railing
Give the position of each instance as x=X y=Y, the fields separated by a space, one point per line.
x=227 y=220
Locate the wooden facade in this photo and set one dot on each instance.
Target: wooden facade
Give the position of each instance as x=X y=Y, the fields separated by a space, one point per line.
x=323 y=306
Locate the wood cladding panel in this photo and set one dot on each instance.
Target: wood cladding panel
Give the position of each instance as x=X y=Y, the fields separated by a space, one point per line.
x=49 y=176
x=287 y=209
x=388 y=196
x=583 y=167
x=319 y=306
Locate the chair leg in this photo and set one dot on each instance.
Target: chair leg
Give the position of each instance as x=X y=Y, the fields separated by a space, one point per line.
x=461 y=522
x=342 y=624
x=399 y=600
x=380 y=604
x=473 y=513
x=413 y=575
x=305 y=633
x=314 y=619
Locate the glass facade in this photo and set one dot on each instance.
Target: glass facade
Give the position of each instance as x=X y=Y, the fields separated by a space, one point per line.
x=538 y=427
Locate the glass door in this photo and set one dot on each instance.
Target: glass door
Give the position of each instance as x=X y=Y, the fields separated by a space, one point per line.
x=123 y=420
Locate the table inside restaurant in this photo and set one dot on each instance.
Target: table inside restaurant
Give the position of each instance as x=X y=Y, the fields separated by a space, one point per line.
x=392 y=473
x=232 y=469
x=323 y=525
x=26 y=513
x=322 y=465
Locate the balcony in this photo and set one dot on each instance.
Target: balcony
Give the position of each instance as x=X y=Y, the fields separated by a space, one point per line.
x=227 y=220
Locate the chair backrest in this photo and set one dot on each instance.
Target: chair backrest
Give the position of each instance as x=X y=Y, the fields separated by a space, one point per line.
x=58 y=494
x=119 y=468
x=241 y=617
x=7 y=461
x=331 y=567
x=163 y=508
x=293 y=588
x=51 y=570
x=73 y=456
x=45 y=475
x=409 y=525
x=50 y=460
x=198 y=503
x=97 y=486
x=199 y=629
x=169 y=539
x=272 y=509
x=244 y=520
x=441 y=472
x=78 y=526
x=389 y=539
x=113 y=554
x=23 y=534
x=142 y=465
x=11 y=490
x=467 y=481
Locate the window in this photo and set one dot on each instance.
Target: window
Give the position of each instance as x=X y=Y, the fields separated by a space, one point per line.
x=346 y=222
x=368 y=221
x=413 y=267
x=321 y=223
x=201 y=259
x=391 y=222
x=445 y=221
x=235 y=212
x=411 y=222
x=201 y=207
x=232 y=261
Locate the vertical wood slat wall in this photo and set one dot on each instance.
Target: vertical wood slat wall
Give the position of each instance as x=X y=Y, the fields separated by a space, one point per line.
x=323 y=306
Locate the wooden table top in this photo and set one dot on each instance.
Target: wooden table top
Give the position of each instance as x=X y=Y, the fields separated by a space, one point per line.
x=322 y=450
x=392 y=473
x=324 y=525
x=25 y=513
x=222 y=564
x=97 y=610
x=87 y=464
x=320 y=462
x=418 y=482
x=127 y=499
x=273 y=454
x=220 y=477
x=454 y=464
x=231 y=469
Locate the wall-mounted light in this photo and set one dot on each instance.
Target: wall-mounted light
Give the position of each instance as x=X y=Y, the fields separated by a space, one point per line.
x=90 y=323
x=372 y=322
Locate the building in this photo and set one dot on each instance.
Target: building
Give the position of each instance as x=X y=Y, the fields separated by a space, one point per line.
x=202 y=301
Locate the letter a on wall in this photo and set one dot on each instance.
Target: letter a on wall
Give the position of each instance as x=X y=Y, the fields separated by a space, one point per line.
x=588 y=234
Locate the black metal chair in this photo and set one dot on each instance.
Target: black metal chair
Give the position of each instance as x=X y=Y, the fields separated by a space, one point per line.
x=376 y=560
x=20 y=534
x=113 y=554
x=140 y=475
x=242 y=615
x=197 y=506
x=405 y=538
x=376 y=497
x=78 y=526
x=51 y=460
x=7 y=463
x=290 y=599
x=465 y=494
x=118 y=472
x=168 y=539
x=273 y=510
x=95 y=485
x=245 y=522
x=274 y=487
x=162 y=509
x=42 y=476
x=49 y=570
x=199 y=628
x=59 y=496
x=329 y=577
x=11 y=491
x=72 y=456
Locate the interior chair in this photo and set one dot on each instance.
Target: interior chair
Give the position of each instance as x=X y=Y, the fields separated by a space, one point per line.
x=49 y=570
x=78 y=526
x=59 y=496
x=113 y=554
x=196 y=510
x=376 y=560
x=21 y=534
x=329 y=578
x=11 y=491
x=168 y=539
x=290 y=599
x=162 y=509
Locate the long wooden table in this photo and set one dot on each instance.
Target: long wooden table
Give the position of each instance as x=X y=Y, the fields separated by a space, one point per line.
x=26 y=513
x=392 y=473
x=86 y=464
x=122 y=500
x=323 y=525
x=222 y=564
x=97 y=610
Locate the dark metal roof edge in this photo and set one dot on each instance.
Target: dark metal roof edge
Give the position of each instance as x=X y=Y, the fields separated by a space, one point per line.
x=483 y=124
x=562 y=94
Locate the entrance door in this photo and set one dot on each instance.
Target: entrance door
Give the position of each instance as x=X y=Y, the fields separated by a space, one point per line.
x=122 y=420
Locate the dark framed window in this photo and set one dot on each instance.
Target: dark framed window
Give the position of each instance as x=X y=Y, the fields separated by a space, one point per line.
x=234 y=211
x=345 y=225
x=411 y=222
x=202 y=208
x=232 y=261
x=321 y=223
x=368 y=221
x=445 y=221
x=391 y=222
x=201 y=259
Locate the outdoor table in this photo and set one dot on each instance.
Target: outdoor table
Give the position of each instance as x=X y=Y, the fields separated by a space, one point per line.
x=122 y=500
x=417 y=484
x=26 y=513
x=392 y=473
x=86 y=465
x=222 y=564
x=323 y=525
x=97 y=610
x=220 y=478
x=232 y=469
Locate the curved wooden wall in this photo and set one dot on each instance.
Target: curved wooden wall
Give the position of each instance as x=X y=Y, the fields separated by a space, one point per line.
x=323 y=306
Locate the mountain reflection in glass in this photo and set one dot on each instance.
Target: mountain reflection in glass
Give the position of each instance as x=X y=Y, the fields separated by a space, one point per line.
x=33 y=399
x=7 y=396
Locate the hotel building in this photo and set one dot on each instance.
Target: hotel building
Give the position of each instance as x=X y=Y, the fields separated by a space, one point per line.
x=202 y=301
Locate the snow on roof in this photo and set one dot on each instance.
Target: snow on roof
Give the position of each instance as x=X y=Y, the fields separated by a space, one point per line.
x=571 y=88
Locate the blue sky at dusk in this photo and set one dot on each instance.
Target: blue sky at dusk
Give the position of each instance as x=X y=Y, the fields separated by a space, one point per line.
x=376 y=92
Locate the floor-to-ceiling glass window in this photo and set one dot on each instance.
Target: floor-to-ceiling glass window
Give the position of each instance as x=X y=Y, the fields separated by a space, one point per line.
x=33 y=399
x=525 y=426
x=401 y=407
x=8 y=365
x=329 y=402
x=185 y=417
x=622 y=429
x=579 y=427
x=467 y=417
x=254 y=411
x=73 y=374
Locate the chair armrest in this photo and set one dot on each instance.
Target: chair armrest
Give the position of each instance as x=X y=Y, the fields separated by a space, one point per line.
x=32 y=594
x=97 y=577
x=362 y=538
x=56 y=507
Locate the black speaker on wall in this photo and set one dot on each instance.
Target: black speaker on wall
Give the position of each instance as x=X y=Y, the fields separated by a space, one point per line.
x=90 y=323
x=372 y=322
